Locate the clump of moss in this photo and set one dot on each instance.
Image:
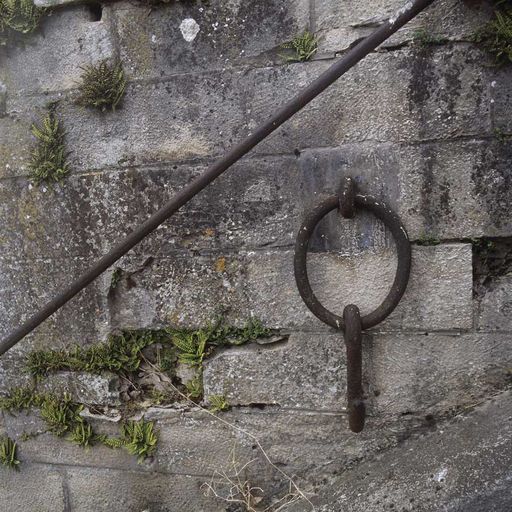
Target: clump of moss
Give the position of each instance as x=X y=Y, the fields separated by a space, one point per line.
x=121 y=353
x=8 y=453
x=423 y=37
x=18 y=16
x=48 y=161
x=304 y=47
x=496 y=36
x=428 y=240
x=102 y=86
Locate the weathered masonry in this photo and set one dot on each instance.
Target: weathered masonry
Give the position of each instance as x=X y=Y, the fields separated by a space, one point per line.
x=191 y=376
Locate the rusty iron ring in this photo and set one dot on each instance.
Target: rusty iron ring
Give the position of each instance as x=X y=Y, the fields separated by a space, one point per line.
x=392 y=222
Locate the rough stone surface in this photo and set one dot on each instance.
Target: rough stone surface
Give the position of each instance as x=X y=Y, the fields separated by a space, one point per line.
x=402 y=374
x=37 y=488
x=469 y=457
x=422 y=127
x=193 y=291
x=85 y=388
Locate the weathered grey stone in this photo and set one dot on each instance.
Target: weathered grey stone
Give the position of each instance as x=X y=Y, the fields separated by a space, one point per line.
x=450 y=469
x=261 y=201
x=414 y=374
x=501 y=90
x=395 y=96
x=187 y=116
x=66 y=40
x=192 y=291
x=45 y=448
x=34 y=489
x=85 y=388
x=104 y=489
x=339 y=24
x=495 y=308
x=226 y=34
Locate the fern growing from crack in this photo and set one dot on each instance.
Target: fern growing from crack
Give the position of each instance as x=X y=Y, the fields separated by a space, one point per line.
x=496 y=36
x=102 y=86
x=304 y=47
x=20 y=16
x=8 y=453
x=140 y=438
x=49 y=159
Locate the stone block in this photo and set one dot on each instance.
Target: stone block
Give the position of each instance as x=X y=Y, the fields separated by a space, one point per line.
x=495 y=306
x=35 y=488
x=339 y=24
x=108 y=489
x=403 y=374
x=191 y=291
x=85 y=388
x=53 y=56
x=184 y=38
x=462 y=467
x=399 y=96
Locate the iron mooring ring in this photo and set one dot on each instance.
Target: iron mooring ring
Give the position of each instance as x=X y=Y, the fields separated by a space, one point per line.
x=348 y=203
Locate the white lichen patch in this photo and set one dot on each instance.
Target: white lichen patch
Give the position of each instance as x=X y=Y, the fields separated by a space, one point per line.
x=189 y=29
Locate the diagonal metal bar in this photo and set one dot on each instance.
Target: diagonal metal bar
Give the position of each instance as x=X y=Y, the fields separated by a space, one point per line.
x=349 y=60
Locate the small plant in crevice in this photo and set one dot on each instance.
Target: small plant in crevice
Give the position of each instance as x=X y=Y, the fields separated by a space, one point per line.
x=218 y=403
x=428 y=241
x=8 y=453
x=121 y=353
x=501 y=136
x=18 y=17
x=195 y=387
x=191 y=346
x=496 y=36
x=102 y=86
x=422 y=37
x=140 y=438
x=117 y=275
x=48 y=162
x=61 y=415
x=304 y=47
x=19 y=399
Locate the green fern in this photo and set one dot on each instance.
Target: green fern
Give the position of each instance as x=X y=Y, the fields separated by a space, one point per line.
x=218 y=403
x=191 y=346
x=120 y=354
x=82 y=434
x=103 y=86
x=304 y=46
x=61 y=416
x=496 y=37
x=111 y=442
x=140 y=438
x=49 y=159
x=19 y=16
x=195 y=387
x=8 y=453
x=20 y=399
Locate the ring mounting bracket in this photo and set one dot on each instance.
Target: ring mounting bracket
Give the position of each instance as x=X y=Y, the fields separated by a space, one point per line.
x=348 y=202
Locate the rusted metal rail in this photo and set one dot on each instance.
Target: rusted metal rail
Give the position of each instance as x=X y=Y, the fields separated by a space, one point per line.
x=350 y=59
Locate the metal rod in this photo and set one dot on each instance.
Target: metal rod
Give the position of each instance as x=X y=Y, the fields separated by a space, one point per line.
x=351 y=58
x=353 y=342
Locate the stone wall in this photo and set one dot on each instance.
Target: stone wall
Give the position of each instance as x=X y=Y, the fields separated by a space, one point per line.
x=417 y=126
